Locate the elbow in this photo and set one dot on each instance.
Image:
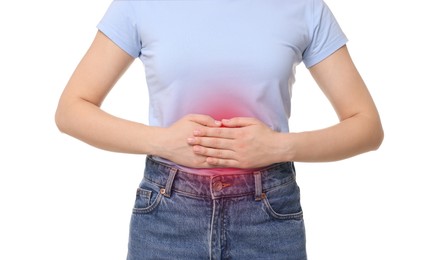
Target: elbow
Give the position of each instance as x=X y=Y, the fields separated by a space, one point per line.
x=377 y=136
x=66 y=114
x=59 y=120
x=378 y=140
x=62 y=118
x=371 y=133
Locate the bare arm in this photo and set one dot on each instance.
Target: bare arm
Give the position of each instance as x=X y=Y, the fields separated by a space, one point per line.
x=249 y=143
x=359 y=129
x=79 y=114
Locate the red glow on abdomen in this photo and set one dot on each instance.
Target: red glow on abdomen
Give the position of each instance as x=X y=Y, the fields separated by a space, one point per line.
x=222 y=102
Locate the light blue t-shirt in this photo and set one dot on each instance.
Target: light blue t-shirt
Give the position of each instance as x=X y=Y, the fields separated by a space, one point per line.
x=223 y=58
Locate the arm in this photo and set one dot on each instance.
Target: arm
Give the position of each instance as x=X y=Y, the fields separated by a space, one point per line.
x=249 y=143
x=359 y=129
x=79 y=114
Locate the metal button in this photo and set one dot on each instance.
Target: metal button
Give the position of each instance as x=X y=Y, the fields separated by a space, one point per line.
x=217 y=186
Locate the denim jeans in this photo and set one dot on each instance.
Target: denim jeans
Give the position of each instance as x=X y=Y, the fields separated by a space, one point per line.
x=180 y=215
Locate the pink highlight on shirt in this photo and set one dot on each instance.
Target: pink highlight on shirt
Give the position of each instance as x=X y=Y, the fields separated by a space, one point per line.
x=222 y=101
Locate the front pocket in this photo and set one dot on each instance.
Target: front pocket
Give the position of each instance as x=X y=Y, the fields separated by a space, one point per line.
x=146 y=201
x=283 y=202
x=142 y=199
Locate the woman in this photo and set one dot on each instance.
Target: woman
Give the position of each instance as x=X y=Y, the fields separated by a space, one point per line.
x=219 y=179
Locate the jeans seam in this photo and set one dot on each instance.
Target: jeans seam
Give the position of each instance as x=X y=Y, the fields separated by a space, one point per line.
x=150 y=208
x=275 y=215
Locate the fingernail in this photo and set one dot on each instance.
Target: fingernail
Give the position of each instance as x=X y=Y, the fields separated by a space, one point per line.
x=190 y=140
x=196 y=132
x=217 y=122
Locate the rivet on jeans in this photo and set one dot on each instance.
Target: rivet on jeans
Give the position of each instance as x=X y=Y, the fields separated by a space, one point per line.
x=263 y=195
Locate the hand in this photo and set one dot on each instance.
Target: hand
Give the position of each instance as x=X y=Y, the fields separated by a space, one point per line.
x=241 y=142
x=172 y=140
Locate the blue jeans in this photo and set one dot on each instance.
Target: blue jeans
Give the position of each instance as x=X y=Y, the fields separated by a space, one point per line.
x=179 y=215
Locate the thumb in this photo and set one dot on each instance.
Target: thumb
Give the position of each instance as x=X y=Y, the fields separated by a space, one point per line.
x=239 y=122
x=204 y=120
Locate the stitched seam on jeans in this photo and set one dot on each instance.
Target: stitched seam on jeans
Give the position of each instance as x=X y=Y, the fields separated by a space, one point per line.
x=150 y=208
x=279 y=186
x=271 y=211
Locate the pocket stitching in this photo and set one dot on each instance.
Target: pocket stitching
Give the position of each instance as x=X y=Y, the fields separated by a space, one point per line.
x=274 y=214
x=149 y=208
x=146 y=194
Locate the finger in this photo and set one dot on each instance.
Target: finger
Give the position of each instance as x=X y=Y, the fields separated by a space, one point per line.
x=211 y=152
x=219 y=132
x=226 y=163
x=211 y=142
x=204 y=120
x=239 y=121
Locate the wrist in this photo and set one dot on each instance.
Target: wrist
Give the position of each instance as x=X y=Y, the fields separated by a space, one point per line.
x=286 y=147
x=155 y=141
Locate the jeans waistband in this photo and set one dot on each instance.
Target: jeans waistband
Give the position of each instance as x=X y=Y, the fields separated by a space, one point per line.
x=222 y=185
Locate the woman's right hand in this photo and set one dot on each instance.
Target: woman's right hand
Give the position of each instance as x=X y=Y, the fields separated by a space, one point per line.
x=172 y=141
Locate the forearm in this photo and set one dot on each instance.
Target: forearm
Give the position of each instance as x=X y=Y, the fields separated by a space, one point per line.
x=87 y=122
x=352 y=136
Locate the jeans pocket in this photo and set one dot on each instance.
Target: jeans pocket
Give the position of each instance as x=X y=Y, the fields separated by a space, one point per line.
x=146 y=200
x=283 y=202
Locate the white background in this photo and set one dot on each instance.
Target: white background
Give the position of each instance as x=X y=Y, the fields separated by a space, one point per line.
x=63 y=199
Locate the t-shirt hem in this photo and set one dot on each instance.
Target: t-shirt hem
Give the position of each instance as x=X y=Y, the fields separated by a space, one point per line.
x=112 y=35
x=309 y=62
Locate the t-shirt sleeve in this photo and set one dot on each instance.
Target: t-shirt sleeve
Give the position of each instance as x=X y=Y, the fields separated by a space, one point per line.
x=326 y=35
x=119 y=25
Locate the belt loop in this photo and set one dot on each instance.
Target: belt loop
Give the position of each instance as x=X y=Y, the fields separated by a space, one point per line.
x=258 y=186
x=167 y=191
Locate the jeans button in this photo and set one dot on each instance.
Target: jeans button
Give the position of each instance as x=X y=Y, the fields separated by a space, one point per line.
x=217 y=186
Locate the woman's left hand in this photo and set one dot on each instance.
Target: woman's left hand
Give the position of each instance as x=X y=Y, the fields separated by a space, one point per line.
x=242 y=142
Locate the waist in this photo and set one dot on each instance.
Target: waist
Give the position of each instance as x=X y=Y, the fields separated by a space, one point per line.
x=203 y=171
x=218 y=185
